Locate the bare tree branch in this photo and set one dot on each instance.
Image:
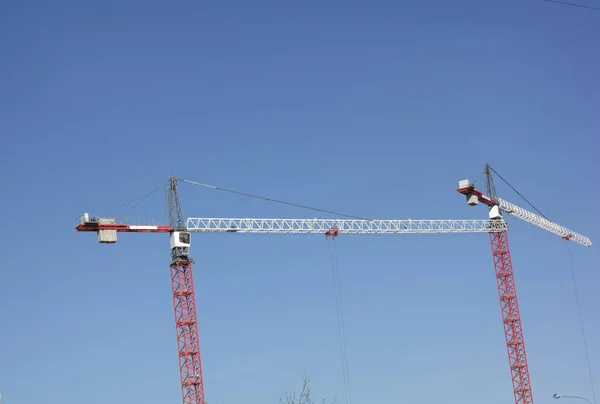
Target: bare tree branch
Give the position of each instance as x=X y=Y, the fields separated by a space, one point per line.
x=304 y=397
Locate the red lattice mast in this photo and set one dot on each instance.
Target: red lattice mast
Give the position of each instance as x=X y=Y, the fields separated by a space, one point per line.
x=509 y=302
x=184 y=303
x=511 y=317
x=188 y=342
x=507 y=290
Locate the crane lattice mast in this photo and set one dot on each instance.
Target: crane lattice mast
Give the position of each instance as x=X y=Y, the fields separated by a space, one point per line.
x=188 y=342
x=184 y=303
x=509 y=302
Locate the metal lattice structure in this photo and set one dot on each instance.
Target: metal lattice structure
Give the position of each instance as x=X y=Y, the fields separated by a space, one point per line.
x=184 y=302
x=511 y=318
x=505 y=278
x=543 y=223
x=321 y=226
x=188 y=342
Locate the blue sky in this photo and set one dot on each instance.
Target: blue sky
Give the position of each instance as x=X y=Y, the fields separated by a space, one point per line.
x=373 y=108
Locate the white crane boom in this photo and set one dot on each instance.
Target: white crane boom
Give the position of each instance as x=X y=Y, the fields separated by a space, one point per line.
x=496 y=205
x=543 y=223
x=323 y=226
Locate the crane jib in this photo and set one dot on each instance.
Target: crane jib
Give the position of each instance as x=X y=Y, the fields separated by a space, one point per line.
x=475 y=196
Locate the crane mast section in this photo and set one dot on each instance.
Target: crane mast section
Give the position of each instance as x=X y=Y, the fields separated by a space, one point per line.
x=321 y=226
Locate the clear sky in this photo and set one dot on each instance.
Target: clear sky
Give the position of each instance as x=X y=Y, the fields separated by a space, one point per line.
x=375 y=108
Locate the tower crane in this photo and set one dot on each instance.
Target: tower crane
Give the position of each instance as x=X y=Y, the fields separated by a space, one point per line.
x=188 y=343
x=505 y=279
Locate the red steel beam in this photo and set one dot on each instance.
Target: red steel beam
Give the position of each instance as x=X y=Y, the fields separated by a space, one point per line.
x=91 y=226
x=481 y=197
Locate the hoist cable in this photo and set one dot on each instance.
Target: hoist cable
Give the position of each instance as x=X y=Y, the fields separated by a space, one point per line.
x=339 y=324
x=581 y=323
x=340 y=320
x=273 y=200
x=337 y=271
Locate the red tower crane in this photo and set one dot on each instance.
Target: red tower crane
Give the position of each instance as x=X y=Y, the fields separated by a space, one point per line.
x=186 y=323
x=182 y=281
x=505 y=278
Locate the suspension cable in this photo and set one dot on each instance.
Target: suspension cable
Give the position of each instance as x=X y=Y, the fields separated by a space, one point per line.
x=134 y=201
x=581 y=323
x=340 y=320
x=273 y=200
x=518 y=193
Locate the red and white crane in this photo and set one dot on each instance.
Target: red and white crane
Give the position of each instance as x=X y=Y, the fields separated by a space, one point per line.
x=505 y=279
x=188 y=342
